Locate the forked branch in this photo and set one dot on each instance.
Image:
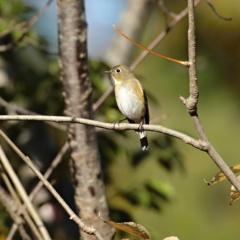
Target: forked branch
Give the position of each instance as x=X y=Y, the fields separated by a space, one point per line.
x=192 y=101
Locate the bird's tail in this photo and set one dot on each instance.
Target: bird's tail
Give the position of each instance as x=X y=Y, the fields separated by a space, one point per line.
x=143 y=140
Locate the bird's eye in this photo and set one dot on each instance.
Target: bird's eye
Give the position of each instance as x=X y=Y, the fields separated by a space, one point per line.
x=118 y=70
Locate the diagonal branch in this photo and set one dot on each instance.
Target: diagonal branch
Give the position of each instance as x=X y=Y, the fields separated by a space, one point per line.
x=162 y=35
x=22 y=193
x=11 y=208
x=184 y=63
x=87 y=229
x=192 y=101
x=25 y=27
x=19 y=211
x=47 y=174
x=152 y=45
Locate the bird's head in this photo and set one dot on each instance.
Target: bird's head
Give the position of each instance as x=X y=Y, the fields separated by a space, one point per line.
x=120 y=73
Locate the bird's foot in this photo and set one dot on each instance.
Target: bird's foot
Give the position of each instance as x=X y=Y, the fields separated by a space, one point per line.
x=117 y=123
x=140 y=127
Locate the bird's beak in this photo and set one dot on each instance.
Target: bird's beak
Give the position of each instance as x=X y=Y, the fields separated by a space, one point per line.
x=108 y=72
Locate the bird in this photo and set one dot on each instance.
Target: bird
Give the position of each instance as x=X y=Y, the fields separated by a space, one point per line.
x=131 y=99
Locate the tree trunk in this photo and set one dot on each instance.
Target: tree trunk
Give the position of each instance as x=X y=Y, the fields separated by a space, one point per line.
x=85 y=161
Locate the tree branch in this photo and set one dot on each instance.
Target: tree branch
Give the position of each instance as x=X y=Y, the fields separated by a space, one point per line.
x=25 y=27
x=19 y=208
x=217 y=13
x=47 y=174
x=192 y=101
x=11 y=107
x=87 y=229
x=11 y=208
x=22 y=193
x=162 y=35
x=201 y=144
x=144 y=53
x=109 y=126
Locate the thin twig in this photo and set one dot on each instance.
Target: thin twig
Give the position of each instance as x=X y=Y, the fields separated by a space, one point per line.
x=184 y=63
x=192 y=101
x=11 y=107
x=20 y=211
x=39 y=46
x=165 y=10
x=87 y=229
x=47 y=174
x=217 y=13
x=163 y=34
x=11 y=208
x=25 y=27
x=99 y=102
x=22 y=193
x=144 y=53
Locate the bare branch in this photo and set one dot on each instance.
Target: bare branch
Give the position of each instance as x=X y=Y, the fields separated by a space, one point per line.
x=11 y=208
x=120 y=50
x=110 y=126
x=39 y=46
x=144 y=53
x=88 y=229
x=192 y=101
x=184 y=63
x=19 y=209
x=99 y=102
x=201 y=144
x=165 y=10
x=11 y=107
x=47 y=174
x=22 y=193
x=217 y=13
x=163 y=34
x=25 y=27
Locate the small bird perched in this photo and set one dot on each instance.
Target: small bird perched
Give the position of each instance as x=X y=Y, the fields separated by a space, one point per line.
x=131 y=99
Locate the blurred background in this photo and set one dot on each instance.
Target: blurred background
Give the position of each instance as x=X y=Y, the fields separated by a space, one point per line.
x=163 y=189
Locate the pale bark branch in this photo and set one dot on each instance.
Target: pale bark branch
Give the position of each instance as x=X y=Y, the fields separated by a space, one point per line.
x=109 y=126
x=192 y=101
x=19 y=209
x=11 y=208
x=23 y=195
x=47 y=174
x=201 y=144
x=86 y=228
x=12 y=108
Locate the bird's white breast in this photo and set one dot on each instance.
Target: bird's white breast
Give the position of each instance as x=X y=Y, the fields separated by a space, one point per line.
x=130 y=102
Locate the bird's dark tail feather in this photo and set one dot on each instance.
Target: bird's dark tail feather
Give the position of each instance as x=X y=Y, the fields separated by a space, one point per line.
x=143 y=140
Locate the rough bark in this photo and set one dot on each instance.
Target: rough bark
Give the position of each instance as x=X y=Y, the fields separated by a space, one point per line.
x=85 y=161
